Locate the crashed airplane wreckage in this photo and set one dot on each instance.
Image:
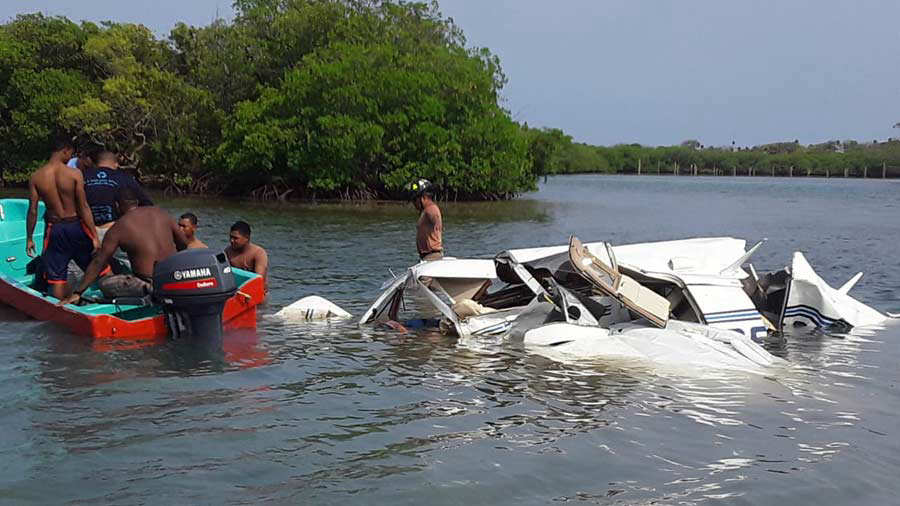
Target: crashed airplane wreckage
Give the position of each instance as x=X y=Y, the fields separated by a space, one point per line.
x=687 y=301
x=575 y=302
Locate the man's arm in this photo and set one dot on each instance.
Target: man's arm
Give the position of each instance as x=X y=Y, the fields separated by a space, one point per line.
x=261 y=266
x=83 y=210
x=437 y=223
x=261 y=262
x=31 y=219
x=107 y=249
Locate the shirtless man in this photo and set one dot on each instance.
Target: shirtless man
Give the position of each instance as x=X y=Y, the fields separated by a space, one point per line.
x=430 y=226
x=187 y=222
x=147 y=234
x=69 y=233
x=243 y=254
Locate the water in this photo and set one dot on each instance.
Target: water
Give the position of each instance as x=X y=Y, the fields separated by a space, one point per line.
x=300 y=413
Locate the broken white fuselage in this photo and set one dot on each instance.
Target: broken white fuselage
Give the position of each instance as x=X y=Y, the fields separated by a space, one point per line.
x=665 y=300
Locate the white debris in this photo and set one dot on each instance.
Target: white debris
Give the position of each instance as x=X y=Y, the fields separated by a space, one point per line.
x=312 y=308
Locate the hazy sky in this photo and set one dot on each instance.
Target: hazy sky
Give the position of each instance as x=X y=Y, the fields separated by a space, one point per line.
x=654 y=71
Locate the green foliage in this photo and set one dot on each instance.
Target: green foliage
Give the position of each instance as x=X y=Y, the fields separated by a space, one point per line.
x=41 y=72
x=546 y=148
x=387 y=98
x=348 y=98
x=780 y=159
x=326 y=97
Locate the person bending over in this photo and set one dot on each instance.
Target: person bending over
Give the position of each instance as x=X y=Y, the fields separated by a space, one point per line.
x=69 y=226
x=187 y=222
x=147 y=234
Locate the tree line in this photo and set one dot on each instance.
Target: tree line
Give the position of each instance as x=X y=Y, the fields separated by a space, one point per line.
x=829 y=159
x=310 y=98
x=345 y=99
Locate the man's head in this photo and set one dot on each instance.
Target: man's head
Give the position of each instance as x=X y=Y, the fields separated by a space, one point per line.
x=86 y=155
x=239 y=235
x=108 y=159
x=421 y=193
x=63 y=148
x=187 y=222
x=126 y=199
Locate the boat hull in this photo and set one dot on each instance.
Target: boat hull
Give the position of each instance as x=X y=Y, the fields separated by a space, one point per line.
x=240 y=312
x=98 y=321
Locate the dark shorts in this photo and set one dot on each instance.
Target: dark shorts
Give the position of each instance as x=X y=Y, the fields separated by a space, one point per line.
x=64 y=241
x=124 y=285
x=431 y=255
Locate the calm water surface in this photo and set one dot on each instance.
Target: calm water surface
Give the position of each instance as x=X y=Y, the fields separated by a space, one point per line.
x=300 y=413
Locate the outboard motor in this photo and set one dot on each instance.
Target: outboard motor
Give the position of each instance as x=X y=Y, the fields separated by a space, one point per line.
x=192 y=286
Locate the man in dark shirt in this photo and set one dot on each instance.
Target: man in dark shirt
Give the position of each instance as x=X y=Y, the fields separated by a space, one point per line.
x=102 y=184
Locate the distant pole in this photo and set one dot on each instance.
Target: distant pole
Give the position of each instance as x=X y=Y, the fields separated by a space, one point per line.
x=808 y=171
x=734 y=171
x=639 y=166
x=657 y=167
x=791 y=171
x=883 y=169
x=865 y=172
x=827 y=173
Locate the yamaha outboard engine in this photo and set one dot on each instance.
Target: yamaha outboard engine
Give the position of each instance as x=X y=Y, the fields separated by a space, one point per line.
x=192 y=286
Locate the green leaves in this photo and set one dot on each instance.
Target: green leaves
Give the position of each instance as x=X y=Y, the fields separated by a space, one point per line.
x=324 y=96
x=381 y=99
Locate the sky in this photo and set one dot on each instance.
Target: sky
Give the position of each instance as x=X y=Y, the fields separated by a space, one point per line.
x=655 y=72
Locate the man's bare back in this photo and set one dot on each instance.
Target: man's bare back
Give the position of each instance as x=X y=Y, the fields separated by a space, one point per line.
x=61 y=188
x=148 y=235
x=69 y=224
x=55 y=186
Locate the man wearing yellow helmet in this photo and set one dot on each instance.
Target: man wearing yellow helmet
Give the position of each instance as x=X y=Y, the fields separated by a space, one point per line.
x=430 y=227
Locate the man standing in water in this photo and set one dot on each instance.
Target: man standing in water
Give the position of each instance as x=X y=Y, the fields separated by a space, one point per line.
x=243 y=254
x=148 y=234
x=69 y=233
x=430 y=227
x=187 y=222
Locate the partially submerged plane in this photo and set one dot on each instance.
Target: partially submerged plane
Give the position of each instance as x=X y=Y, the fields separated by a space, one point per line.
x=687 y=301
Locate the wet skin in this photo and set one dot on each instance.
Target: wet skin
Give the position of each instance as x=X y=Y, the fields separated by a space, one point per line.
x=147 y=234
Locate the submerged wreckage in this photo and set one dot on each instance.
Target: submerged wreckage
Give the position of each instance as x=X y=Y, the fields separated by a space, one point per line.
x=681 y=302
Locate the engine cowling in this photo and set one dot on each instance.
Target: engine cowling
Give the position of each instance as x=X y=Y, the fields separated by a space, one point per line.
x=193 y=286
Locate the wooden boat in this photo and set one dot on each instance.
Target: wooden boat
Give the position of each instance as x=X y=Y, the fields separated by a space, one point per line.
x=97 y=320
